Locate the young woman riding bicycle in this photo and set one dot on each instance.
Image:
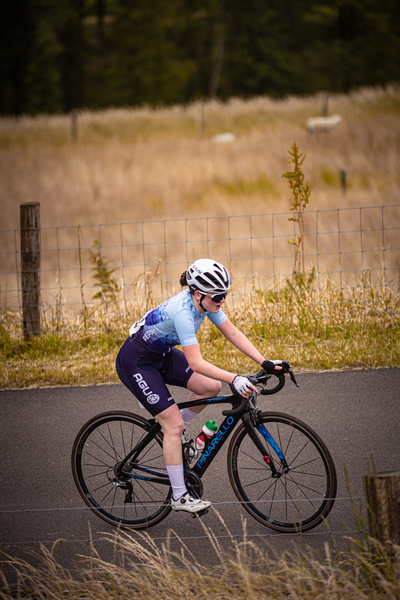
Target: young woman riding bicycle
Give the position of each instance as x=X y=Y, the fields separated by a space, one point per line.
x=149 y=361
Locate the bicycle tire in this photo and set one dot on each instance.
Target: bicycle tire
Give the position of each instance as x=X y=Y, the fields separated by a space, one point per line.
x=297 y=501
x=101 y=443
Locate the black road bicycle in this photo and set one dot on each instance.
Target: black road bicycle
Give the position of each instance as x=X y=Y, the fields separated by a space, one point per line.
x=280 y=469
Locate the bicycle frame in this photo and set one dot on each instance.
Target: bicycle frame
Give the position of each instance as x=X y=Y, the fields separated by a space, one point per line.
x=223 y=433
x=293 y=489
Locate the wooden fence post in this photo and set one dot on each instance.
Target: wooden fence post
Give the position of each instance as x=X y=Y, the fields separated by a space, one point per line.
x=74 y=125
x=30 y=268
x=200 y=119
x=383 y=499
x=324 y=104
x=343 y=180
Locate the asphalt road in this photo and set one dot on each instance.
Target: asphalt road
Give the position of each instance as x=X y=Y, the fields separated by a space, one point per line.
x=355 y=412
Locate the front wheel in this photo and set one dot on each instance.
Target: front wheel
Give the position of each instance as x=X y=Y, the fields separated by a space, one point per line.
x=304 y=491
x=99 y=448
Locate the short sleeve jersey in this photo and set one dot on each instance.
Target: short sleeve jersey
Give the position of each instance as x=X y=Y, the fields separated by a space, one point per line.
x=175 y=321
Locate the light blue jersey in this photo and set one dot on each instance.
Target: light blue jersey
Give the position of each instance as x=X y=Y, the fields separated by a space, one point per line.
x=175 y=321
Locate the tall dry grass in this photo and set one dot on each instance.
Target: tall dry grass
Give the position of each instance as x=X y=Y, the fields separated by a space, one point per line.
x=316 y=329
x=143 y=569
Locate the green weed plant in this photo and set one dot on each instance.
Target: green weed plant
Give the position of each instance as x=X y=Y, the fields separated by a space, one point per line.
x=103 y=276
x=301 y=191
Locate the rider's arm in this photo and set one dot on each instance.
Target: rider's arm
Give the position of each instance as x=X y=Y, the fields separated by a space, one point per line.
x=196 y=362
x=201 y=366
x=242 y=343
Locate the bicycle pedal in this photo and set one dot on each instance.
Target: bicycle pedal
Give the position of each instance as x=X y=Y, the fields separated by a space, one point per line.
x=201 y=513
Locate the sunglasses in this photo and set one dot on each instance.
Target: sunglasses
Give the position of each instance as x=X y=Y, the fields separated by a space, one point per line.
x=218 y=297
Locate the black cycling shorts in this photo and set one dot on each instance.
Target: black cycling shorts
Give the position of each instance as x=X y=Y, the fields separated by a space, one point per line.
x=146 y=375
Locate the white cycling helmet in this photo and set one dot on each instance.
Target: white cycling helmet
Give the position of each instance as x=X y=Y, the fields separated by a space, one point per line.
x=208 y=277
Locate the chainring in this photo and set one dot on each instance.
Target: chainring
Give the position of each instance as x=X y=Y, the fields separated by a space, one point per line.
x=193 y=483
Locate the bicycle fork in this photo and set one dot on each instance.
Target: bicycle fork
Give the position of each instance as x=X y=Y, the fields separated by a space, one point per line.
x=250 y=424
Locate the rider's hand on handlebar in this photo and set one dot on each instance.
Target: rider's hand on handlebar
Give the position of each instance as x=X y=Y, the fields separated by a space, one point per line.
x=271 y=365
x=243 y=386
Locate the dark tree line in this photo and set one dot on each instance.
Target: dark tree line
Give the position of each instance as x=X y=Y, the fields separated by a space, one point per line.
x=56 y=55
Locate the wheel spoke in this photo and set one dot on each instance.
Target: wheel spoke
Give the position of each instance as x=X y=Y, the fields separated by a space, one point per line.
x=298 y=499
x=99 y=448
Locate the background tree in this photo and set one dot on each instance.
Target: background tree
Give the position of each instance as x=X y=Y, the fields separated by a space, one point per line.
x=150 y=61
x=263 y=53
x=61 y=54
x=368 y=38
x=41 y=46
x=16 y=38
x=42 y=89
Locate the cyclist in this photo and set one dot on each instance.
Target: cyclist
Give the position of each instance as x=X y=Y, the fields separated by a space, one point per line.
x=148 y=361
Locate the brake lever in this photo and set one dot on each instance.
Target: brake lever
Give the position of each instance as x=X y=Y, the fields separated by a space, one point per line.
x=254 y=400
x=287 y=369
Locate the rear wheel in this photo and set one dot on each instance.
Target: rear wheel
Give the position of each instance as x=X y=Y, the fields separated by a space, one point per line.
x=99 y=448
x=303 y=494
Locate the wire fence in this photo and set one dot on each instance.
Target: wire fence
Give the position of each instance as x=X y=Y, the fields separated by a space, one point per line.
x=73 y=532
x=91 y=267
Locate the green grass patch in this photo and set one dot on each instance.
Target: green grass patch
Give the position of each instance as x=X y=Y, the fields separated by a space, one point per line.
x=315 y=347
x=329 y=177
x=89 y=358
x=262 y=185
x=59 y=359
x=315 y=329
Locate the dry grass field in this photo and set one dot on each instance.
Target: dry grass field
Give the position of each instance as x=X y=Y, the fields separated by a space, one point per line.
x=134 y=165
x=141 y=164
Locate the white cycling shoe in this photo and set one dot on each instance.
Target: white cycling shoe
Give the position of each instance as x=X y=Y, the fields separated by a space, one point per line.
x=189 y=504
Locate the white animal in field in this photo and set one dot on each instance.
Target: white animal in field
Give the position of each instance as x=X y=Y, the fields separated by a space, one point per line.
x=224 y=137
x=323 y=123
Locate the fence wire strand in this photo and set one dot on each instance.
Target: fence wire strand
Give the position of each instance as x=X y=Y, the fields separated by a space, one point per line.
x=141 y=262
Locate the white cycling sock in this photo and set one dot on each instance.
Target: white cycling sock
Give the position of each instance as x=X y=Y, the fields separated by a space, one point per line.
x=176 y=477
x=188 y=415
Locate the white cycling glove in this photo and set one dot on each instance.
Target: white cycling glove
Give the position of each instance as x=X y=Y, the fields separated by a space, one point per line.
x=241 y=384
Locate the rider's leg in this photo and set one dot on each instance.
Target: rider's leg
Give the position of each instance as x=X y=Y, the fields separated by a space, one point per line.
x=148 y=385
x=172 y=423
x=202 y=387
x=177 y=372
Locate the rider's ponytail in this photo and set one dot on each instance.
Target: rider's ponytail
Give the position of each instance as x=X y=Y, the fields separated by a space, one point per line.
x=182 y=280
